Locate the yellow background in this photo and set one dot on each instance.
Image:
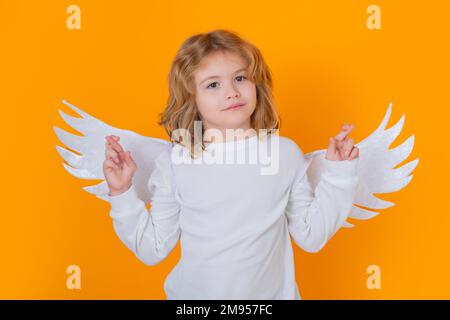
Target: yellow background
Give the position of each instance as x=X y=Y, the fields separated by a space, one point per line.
x=328 y=68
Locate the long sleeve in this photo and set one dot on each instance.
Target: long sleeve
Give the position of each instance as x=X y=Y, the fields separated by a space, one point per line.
x=150 y=234
x=315 y=216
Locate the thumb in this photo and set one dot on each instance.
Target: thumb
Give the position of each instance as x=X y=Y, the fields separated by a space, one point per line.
x=331 y=151
x=128 y=159
x=332 y=145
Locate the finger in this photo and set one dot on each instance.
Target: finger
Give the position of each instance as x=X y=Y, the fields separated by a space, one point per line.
x=123 y=157
x=110 y=152
x=107 y=148
x=332 y=146
x=348 y=147
x=113 y=155
x=346 y=129
x=354 y=153
x=115 y=145
x=344 y=133
x=117 y=148
x=117 y=138
x=128 y=159
x=107 y=144
x=110 y=165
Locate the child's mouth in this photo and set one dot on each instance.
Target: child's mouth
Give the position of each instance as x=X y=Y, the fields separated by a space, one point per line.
x=235 y=107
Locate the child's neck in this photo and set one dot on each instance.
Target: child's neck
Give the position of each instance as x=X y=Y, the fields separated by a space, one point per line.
x=231 y=135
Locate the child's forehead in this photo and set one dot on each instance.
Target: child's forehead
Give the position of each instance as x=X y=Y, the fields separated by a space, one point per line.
x=220 y=64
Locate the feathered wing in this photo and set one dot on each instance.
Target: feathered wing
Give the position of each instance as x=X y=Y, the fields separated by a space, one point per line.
x=375 y=168
x=91 y=147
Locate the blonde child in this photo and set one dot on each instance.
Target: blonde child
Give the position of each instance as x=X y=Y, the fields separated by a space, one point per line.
x=234 y=223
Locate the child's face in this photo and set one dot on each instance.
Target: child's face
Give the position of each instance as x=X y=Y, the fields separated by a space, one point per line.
x=229 y=87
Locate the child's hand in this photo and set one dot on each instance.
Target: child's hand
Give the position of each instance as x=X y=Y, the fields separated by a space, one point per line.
x=118 y=166
x=341 y=148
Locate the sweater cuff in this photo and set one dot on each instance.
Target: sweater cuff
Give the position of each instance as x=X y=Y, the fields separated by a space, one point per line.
x=126 y=201
x=342 y=168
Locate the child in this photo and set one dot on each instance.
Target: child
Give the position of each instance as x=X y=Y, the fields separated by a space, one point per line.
x=234 y=224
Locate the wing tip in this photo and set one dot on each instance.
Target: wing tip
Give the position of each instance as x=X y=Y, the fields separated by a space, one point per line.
x=59 y=149
x=385 y=120
x=55 y=128
x=80 y=112
x=389 y=108
x=61 y=113
x=59 y=132
x=68 y=168
x=348 y=225
x=400 y=123
x=89 y=189
x=414 y=163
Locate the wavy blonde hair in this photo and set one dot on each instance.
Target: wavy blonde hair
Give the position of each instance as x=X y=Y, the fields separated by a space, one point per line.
x=181 y=110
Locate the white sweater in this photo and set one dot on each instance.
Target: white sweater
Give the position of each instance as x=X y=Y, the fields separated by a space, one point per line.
x=234 y=223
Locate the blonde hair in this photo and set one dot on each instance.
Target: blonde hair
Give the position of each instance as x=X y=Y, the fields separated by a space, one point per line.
x=181 y=111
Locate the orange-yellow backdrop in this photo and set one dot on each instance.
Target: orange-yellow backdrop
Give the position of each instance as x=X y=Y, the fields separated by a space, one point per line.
x=328 y=68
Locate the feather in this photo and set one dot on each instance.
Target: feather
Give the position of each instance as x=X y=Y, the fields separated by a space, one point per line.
x=91 y=148
x=376 y=168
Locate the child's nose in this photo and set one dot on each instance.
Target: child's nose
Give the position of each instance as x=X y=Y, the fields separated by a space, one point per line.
x=233 y=93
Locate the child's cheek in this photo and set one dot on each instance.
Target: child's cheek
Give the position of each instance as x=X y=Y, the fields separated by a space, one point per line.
x=250 y=90
x=249 y=85
x=207 y=102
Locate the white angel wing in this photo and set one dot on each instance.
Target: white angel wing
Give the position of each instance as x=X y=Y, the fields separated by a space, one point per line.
x=91 y=146
x=375 y=168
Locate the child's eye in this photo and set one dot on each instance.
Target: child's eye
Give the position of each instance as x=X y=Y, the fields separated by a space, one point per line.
x=212 y=84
